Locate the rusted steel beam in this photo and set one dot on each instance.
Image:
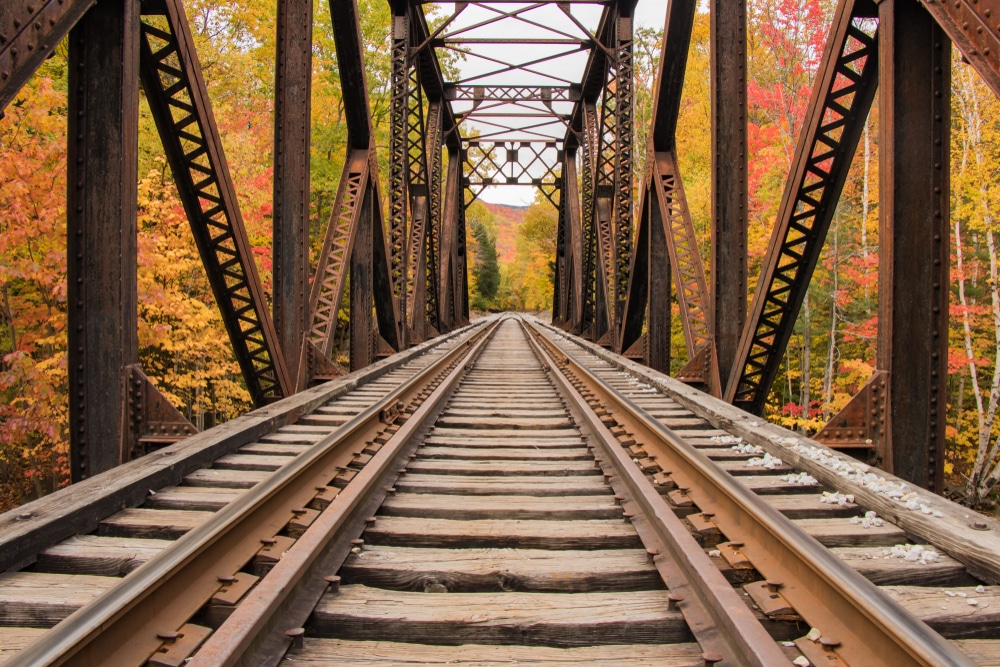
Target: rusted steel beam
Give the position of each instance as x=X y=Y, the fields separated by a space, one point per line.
x=101 y=178
x=351 y=64
x=461 y=271
x=729 y=178
x=290 y=217
x=689 y=271
x=363 y=332
x=453 y=201
x=175 y=89
x=973 y=29
x=29 y=33
x=560 y=298
x=575 y=287
x=335 y=257
x=418 y=190
x=841 y=98
x=435 y=144
x=341 y=250
x=624 y=108
x=664 y=205
x=677 y=28
x=914 y=199
x=659 y=309
x=399 y=168
x=432 y=78
x=592 y=284
x=479 y=94
x=390 y=323
x=592 y=82
x=637 y=298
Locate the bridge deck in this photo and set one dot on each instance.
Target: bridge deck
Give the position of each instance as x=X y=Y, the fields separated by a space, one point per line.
x=481 y=522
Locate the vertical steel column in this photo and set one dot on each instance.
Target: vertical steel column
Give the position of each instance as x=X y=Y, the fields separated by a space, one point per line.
x=590 y=273
x=914 y=103
x=363 y=331
x=102 y=173
x=659 y=310
x=575 y=288
x=559 y=295
x=453 y=202
x=729 y=178
x=462 y=265
x=399 y=159
x=624 y=103
x=605 y=191
x=434 y=134
x=290 y=219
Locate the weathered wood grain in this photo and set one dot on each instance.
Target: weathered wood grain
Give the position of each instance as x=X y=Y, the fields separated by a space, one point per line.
x=538 y=619
x=479 y=570
x=230 y=479
x=764 y=485
x=456 y=432
x=197 y=498
x=505 y=468
x=953 y=617
x=808 y=506
x=386 y=654
x=40 y=600
x=445 y=452
x=581 y=485
x=842 y=533
x=251 y=462
x=502 y=534
x=487 y=441
x=744 y=468
x=13 y=640
x=157 y=524
x=984 y=651
x=98 y=555
x=878 y=566
x=273 y=449
x=563 y=508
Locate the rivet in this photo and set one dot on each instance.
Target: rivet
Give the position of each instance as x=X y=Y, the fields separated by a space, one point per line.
x=296 y=635
x=711 y=658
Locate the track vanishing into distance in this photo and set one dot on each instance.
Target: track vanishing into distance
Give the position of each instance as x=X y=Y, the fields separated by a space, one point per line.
x=505 y=494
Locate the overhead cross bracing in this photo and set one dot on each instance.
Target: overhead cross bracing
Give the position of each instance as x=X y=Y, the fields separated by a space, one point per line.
x=517 y=91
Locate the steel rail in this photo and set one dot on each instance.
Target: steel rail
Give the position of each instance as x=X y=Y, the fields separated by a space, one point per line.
x=719 y=619
x=287 y=595
x=127 y=624
x=34 y=526
x=862 y=625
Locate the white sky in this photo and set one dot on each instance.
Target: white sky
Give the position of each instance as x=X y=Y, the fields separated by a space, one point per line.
x=648 y=13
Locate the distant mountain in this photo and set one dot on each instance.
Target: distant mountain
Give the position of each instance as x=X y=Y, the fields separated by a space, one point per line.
x=506 y=218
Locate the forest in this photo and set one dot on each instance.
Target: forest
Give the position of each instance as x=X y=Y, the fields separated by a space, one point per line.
x=511 y=261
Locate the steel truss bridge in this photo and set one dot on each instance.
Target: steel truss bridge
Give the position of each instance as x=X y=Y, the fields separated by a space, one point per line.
x=576 y=503
x=534 y=124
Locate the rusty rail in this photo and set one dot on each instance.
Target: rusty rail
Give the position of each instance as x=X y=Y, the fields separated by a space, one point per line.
x=861 y=624
x=135 y=619
x=720 y=621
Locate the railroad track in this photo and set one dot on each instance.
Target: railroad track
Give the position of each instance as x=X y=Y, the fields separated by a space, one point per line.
x=509 y=495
